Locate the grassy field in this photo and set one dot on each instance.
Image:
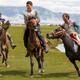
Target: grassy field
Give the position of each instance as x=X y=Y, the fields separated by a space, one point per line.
x=57 y=66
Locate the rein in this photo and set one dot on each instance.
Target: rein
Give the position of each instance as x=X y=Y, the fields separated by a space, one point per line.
x=61 y=33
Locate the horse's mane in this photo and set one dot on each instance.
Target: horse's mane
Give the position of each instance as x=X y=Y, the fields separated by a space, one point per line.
x=33 y=39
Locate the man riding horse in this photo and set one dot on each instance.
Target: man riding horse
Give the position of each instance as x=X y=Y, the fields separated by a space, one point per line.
x=32 y=15
x=70 y=27
x=5 y=26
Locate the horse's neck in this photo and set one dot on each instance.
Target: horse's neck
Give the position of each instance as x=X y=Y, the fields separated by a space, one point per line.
x=30 y=25
x=68 y=43
x=31 y=33
x=32 y=36
x=33 y=40
x=3 y=38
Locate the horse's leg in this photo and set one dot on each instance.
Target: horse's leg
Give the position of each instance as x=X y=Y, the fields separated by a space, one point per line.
x=42 y=61
x=5 y=56
x=31 y=63
x=77 y=69
x=2 y=55
x=38 y=58
x=6 y=51
x=39 y=62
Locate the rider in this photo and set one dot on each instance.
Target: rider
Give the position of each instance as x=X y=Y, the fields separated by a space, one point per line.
x=5 y=26
x=70 y=28
x=32 y=13
x=1 y=20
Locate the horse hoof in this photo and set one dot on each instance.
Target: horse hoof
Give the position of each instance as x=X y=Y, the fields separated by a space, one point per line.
x=8 y=66
x=31 y=76
x=0 y=75
x=3 y=64
x=79 y=76
x=42 y=71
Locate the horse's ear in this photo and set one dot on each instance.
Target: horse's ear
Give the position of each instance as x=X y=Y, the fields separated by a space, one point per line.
x=56 y=29
x=61 y=28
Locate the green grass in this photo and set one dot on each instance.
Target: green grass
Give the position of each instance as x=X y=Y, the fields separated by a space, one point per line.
x=57 y=65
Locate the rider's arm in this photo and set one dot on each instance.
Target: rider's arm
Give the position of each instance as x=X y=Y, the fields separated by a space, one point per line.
x=37 y=17
x=25 y=19
x=2 y=19
x=77 y=27
x=62 y=26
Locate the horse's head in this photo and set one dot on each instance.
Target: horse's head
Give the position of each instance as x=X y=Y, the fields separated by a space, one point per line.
x=30 y=24
x=6 y=25
x=57 y=33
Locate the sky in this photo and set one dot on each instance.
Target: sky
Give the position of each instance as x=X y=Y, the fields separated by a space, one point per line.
x=70 y=6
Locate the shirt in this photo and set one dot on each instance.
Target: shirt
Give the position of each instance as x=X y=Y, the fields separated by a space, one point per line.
x=69 y=27
x=33 y=13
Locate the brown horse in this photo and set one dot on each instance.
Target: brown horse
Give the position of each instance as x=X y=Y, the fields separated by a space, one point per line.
x=3 y=46
x=35 y=49
x=71 y=52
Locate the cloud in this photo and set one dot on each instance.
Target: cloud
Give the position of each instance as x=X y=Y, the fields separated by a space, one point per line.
x=15 y=2
x=70 y=6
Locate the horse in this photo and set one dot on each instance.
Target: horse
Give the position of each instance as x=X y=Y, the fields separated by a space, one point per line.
x=4 y=48
x=70 y=51
x=35 y=49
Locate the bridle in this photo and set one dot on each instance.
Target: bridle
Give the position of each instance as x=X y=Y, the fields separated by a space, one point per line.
x=59 y=32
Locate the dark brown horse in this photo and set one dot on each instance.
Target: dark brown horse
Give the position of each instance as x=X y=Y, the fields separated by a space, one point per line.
x=71 y=53
x=3 y=46
x=35 y=49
